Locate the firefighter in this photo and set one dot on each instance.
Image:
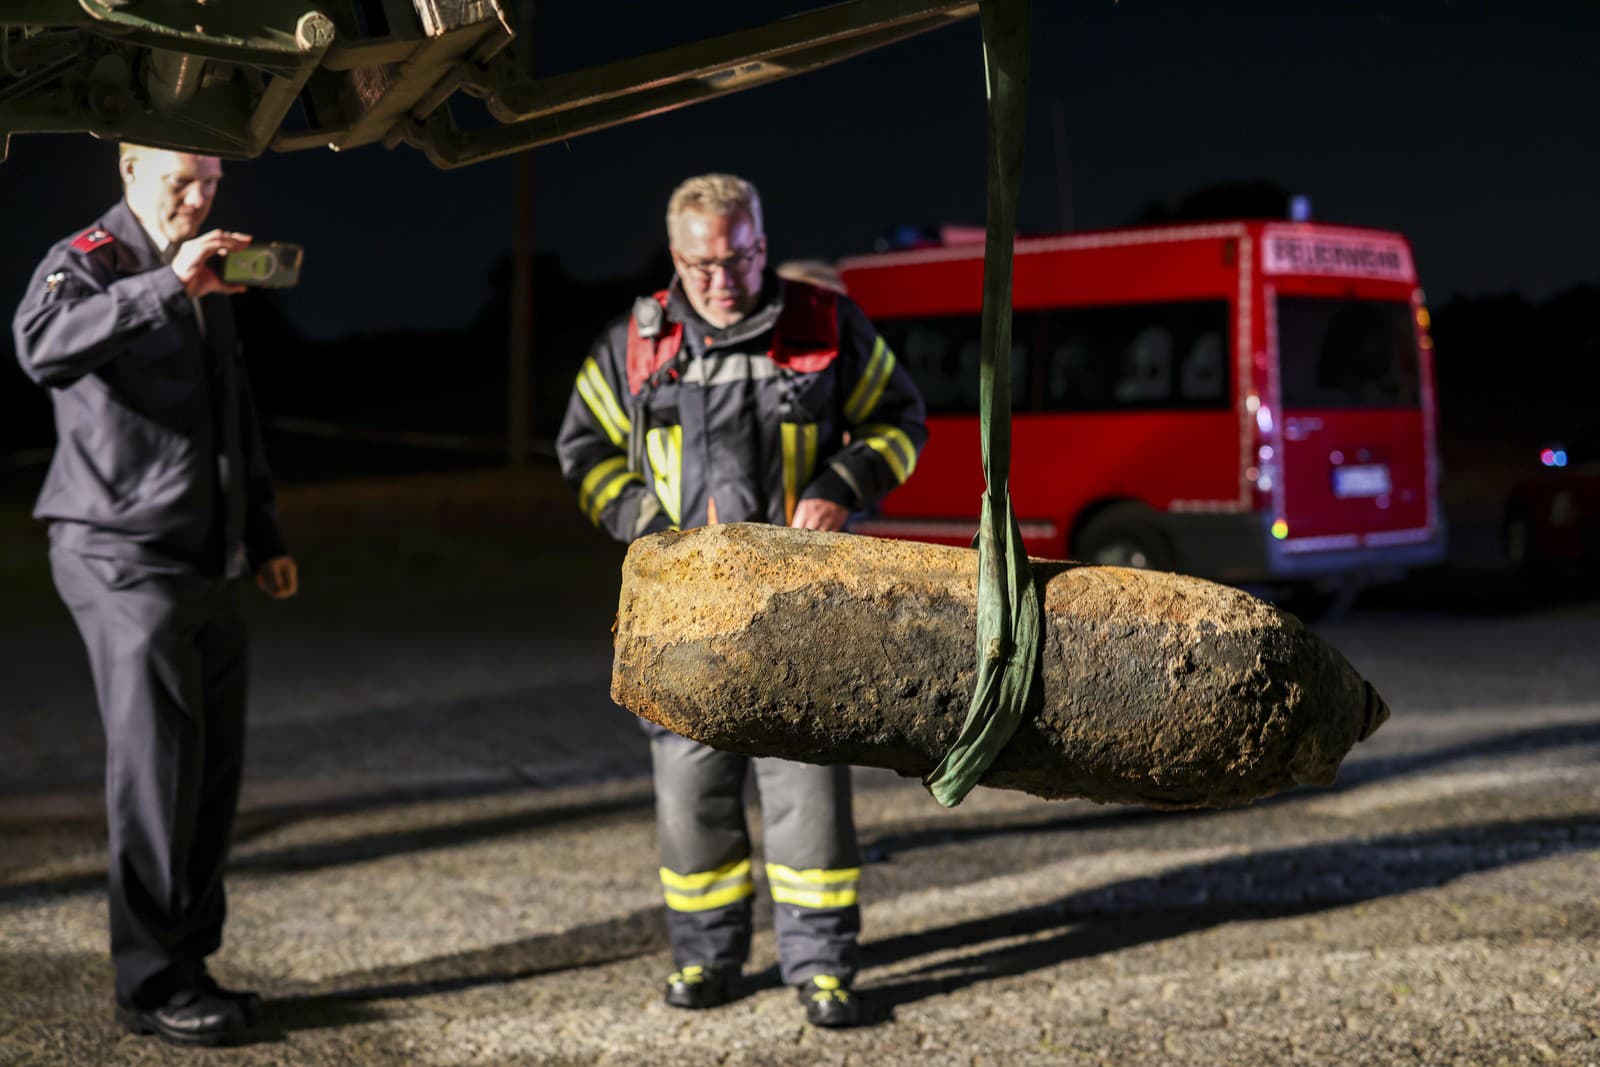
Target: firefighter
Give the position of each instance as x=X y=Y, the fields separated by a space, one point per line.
x=158 y=497
x=736 y=396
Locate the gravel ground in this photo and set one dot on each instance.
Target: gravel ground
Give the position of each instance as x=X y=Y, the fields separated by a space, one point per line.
x=446 y=854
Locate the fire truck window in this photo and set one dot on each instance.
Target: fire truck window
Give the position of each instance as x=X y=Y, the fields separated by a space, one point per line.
x=1135 y=356
x=943 y=355
x=1146 y=377
x=1072 y=374
x=1346 y=353
x=929 y=360
x=1204 y=374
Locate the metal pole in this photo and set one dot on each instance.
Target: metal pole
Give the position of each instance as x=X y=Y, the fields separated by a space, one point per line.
x=519 y=376
x=519 y=369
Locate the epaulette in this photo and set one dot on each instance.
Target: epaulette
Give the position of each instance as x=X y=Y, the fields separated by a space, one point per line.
x=92 y=238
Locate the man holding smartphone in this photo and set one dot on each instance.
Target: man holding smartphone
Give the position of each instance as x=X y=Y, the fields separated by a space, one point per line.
x=157 y=498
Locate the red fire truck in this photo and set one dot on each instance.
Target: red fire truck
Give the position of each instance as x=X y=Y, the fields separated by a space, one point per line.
x=1249 y=401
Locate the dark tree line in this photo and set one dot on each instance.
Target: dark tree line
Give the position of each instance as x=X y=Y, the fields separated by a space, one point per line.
x=1499 y=354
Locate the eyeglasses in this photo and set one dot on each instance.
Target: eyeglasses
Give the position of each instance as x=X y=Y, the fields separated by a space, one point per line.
x=704 y=270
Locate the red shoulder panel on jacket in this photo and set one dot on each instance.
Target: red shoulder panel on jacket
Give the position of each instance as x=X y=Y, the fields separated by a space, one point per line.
x=92 y=238
x=646 y=355
x=806 y=337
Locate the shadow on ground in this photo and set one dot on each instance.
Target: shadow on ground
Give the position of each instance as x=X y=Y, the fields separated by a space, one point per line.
x=1282 y=883
x=359 y=849
x=1353 y=776
x=350 y=997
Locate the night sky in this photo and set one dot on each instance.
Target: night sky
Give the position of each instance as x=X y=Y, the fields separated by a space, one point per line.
x=1468 y=126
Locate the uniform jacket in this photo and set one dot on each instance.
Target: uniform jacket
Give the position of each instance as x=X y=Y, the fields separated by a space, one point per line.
x=731 y=425
x=158 y=456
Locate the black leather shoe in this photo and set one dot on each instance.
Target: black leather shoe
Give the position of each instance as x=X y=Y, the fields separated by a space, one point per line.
x=251 y=1005
x=829 y=1002
x=696 y=987
x=190 y=1017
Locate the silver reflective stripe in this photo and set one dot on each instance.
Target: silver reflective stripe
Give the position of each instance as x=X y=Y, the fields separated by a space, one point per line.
x=815 y=888
x=843 y=471
x=721 y=369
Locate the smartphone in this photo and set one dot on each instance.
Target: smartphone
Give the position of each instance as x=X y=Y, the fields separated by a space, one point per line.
x=275 y=265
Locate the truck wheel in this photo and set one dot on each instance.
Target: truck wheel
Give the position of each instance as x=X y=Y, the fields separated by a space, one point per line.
x=1125 y=537
x=1320 y=602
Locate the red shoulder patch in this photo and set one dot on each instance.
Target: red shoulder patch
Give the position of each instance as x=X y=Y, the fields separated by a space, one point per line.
x=806 y=336
x=91 y=239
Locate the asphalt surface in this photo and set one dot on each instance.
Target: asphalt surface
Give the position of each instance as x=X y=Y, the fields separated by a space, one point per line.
x=446 y=852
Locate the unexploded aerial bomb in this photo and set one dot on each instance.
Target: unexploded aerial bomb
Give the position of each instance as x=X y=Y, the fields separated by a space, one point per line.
x=1158 y=689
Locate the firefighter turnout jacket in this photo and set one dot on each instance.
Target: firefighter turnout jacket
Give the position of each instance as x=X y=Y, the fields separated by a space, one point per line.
x=674 y=424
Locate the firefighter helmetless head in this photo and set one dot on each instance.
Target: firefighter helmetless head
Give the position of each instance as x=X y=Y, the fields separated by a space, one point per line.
x=719 y=246
x=170 y=192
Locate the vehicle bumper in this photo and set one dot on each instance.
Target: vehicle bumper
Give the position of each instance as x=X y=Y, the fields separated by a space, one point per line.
x=1240 y=548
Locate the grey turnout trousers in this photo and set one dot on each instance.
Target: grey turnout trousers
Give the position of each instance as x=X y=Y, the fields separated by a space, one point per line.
x=168 y=650
x=812 y=858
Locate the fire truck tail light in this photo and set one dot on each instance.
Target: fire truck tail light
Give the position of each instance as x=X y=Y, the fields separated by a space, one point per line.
x=1280 y=529
x=1424 y=320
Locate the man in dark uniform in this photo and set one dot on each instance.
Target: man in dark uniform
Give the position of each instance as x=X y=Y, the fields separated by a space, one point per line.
x=737 y=396
x=158 y=497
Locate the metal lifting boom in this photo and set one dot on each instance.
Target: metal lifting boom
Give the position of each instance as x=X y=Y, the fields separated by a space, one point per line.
x=223 y=78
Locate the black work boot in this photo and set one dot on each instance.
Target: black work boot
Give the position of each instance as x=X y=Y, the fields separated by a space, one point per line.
x=250 y=1003
x=189 y=1017
x=696 y=986
x=829 y=1002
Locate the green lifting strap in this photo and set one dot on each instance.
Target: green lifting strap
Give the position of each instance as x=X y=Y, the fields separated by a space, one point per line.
x=1009 y=625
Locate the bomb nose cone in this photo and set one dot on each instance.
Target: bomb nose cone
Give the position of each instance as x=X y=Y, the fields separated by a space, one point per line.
x=1377 y=713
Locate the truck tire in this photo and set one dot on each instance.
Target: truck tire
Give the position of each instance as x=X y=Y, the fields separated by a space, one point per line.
x=1125 y=535
x=1320 y=601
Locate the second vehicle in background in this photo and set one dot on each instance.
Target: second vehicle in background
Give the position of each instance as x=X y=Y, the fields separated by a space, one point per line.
x=1250 y=401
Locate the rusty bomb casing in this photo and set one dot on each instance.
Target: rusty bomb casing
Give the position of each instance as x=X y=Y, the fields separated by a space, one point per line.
x=1158 y=689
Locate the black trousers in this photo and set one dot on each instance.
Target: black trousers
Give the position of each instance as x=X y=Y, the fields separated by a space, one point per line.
x=169 y=653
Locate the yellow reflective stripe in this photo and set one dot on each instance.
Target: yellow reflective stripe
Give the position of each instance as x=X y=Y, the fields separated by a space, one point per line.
x=813 y=875
x=665 y=448
x=602 y=484
x=602 y=402
x=704 y=890
x=887 y=451
x=815 y=888
x=894 y=446
x=799 y=462
x=869 y=390
x=720 y=899
x=791 y=489
x=598 y=473
x=610 y=399
x=897 y=437
x=808 y=459
x=700 y=879
x=814 y=898
x=609 y=493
